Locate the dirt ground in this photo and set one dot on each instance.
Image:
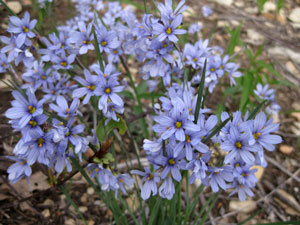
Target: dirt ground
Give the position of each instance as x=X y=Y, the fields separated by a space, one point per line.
x=277 y=195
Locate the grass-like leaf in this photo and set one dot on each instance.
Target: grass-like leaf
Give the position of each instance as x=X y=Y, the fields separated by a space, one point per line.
x=253 y=113
x=66 y=193
x=247 y=90
x=7 y=8
x=251 y=217
x=155 y=211
x=235 y=35
x=215 y=198
x=216 y=130
x=200 y=93
x=281 y=223
x=99 y=55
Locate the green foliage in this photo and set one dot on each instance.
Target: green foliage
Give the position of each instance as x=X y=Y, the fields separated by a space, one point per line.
x=260 y=4
x=104 y=130
x=279 y=4
x=200 y=93
x=247 y=82
x=233 y=40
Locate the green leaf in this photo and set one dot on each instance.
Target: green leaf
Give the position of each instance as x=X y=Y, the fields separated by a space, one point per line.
x=142 y=88
x=251 y=217
x=200 y=93
x=127 y=94
x=251 y=116
x=209 y=208
x=99 y=55
x=247 y=90
x=7 y=8
x=151 y=95
x=260 y=4
x=155 y=211
x=137 y=5
x=281 y=223
x=103 y=130
x=233 y=40
x=216 y=130
x=279 y=4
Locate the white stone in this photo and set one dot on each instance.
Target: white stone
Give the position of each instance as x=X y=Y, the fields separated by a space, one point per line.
x=285 y=53
x=245 y=206
x=15 y=6
x=224 y=2
x=251 y=10
x=269 y=7
x=295 y=15
x=254 y=37
x=90 y=191
x=46 y=213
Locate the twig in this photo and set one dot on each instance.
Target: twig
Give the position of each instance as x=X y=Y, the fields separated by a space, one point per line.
x=272 y=161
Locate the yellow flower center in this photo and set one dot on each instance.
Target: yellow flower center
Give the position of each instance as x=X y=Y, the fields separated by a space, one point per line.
x=107 y=90
x=237 y=165
x=64 y=63
x=194 y=59
x=92 y=87
x=31 y=109
x=103 y=43
x=256 y=135
x=212 y=69
x=67 y=110
x=32 y=123
x=3 y=64
x=169 y=30
x=62 y=46
x=222 y=67
x=178 y=124
x=68 y=134
x=115 y=51
x=150 y=177
x=40 y=142
x=165 y=45
x=171 y=161
x=120 y=180
x=238 y=144
x=86 y=42
x=25 y=29
x=245 y=174
x=44 y=77
x=188 y=138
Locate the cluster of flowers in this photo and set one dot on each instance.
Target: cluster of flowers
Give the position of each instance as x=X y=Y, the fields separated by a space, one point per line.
x=49 y=133
x=183 y=145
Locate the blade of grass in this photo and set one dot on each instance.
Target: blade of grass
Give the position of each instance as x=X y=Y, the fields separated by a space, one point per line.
x=251 y=217
x=200 y=92
x=7 y=8
x=282 y=223
x=208 y=201
x=209 y=209
x=140 y=108
x=99 y=55
x=252 y=114
x=155 y=211
x=190 y=208
x=124 y=203
x=233 y=40
x=247 y=90
x=216 y=130
x=66 y=193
